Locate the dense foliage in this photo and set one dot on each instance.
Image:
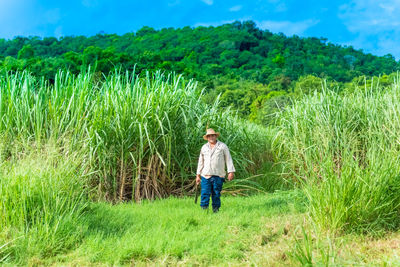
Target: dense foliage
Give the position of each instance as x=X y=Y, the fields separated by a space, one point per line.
x=245 y=64
x=344 y=149
x=123 y=137
x=140 y=135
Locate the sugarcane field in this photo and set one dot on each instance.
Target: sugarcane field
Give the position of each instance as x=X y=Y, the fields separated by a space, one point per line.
x=243 y=142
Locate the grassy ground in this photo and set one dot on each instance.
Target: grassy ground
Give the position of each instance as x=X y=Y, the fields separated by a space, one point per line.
x=259 y=230
x=176 y=231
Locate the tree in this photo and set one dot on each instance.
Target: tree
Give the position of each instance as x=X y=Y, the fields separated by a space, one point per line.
x=308 y=84
x=26 y=52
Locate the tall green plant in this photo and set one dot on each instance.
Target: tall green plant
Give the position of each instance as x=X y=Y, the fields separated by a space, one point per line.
x=344 y=150
x=42 y=199
x=141 y=135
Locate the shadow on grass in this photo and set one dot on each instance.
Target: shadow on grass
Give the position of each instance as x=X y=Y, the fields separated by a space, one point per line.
x=107 y=220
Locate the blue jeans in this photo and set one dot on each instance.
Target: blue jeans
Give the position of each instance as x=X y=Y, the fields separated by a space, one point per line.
x=211 y=187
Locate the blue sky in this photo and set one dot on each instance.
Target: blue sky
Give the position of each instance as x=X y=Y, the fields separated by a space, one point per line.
x=373 y=26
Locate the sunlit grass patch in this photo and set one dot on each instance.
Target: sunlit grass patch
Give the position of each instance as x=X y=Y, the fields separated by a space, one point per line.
x=178 y=230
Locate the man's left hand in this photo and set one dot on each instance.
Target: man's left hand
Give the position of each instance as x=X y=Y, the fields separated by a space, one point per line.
x=230 y=176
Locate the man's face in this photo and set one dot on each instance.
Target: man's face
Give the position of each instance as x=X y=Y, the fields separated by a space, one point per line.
x=212 y=138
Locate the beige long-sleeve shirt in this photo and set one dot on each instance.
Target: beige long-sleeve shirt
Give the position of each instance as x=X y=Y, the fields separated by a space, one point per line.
x=212 y=161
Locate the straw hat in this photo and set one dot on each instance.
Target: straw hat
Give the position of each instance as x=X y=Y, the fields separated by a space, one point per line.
x=209 y=132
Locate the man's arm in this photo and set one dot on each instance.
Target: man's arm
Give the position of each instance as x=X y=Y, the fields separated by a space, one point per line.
x=229 y=164
x=200 y=166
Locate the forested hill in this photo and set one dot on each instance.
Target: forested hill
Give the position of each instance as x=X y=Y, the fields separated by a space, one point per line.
x=215 y=56
x=237 y=49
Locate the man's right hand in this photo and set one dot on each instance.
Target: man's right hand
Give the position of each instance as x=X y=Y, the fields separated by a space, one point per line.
x=198 y=179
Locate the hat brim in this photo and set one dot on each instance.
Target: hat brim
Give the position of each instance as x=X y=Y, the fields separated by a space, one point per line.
x=205 y=136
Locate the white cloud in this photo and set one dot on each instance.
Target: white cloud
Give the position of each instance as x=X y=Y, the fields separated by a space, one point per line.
x=287 y=27
x=374 y=16
x=376 y=24
x=235 y=8
x=388 y=9
x=208 y=2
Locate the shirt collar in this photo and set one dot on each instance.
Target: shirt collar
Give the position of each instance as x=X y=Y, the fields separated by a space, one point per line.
x=216 y=145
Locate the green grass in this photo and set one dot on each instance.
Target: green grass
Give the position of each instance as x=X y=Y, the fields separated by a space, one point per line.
x=175 y=230
x=261 y=230
x=344 y=151
x=42 y=199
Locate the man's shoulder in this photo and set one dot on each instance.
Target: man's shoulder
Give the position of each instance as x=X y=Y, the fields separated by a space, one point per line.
x=222 y=145
x=204 y=146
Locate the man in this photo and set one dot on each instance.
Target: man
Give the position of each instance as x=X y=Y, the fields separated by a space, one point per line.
x=214 y=155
